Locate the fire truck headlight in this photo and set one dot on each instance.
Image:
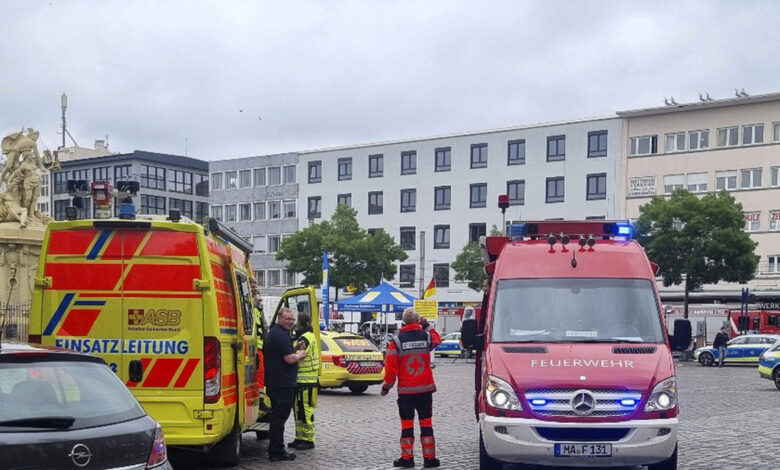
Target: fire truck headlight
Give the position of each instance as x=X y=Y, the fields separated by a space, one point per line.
x=664 y=396
x=499 y=394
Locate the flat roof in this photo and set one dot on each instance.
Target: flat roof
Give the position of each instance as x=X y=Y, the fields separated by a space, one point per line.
x=700 y=105
x=163 y=158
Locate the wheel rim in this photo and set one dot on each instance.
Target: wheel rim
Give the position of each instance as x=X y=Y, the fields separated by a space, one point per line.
x=707 y=359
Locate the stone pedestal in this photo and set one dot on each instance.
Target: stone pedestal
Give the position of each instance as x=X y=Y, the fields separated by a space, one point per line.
x=19 y=253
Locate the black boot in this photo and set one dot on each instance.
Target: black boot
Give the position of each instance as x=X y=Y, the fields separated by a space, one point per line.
x=430 y=463
x=404 y=463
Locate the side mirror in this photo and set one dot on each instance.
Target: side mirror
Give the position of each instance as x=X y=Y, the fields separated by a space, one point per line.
x=469 y=336
x=682 y=335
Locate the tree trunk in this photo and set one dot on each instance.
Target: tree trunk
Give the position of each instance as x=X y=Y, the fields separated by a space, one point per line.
x=685 y=302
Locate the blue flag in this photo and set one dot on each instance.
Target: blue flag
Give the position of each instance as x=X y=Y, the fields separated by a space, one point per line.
x=325 y=288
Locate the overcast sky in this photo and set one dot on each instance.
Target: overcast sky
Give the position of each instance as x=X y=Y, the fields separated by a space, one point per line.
x=228 y=79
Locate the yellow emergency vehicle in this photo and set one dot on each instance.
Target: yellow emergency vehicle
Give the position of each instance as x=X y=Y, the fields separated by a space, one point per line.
x=167 y=304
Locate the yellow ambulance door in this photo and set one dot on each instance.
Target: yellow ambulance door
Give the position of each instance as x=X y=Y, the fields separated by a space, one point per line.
x=162 y=315
x=302 y=299
x=246 y=356
x=79 y=294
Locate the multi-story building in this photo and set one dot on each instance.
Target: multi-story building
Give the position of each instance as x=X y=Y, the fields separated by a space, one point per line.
x=447 y=189
x=711 y=145
x=166 y=182
x=258 y=198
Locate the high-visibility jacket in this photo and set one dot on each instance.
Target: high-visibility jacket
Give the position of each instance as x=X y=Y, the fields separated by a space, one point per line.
x=260 y=325
x=409 y=359
x=309 y=366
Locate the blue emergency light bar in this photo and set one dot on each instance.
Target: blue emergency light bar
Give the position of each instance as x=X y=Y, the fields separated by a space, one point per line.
x=541 y=229
x=624 y=229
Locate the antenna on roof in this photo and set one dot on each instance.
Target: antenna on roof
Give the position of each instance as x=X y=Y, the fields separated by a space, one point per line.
x=666 y=101
x=742 y=92
x=672 y=102
x=707 y=96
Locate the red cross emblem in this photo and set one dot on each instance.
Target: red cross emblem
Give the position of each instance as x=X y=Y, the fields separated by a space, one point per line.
x=414 y=365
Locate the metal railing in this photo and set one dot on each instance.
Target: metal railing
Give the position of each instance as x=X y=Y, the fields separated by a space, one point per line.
x=15 y=321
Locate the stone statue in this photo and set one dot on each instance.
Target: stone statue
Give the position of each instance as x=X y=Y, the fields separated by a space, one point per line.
x=22 y=177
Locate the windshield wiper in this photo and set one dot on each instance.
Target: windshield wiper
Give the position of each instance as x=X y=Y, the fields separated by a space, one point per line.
x=56 y=422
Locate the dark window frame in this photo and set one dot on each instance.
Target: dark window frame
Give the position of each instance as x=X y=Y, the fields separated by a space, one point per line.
x=376 y=165
x=181 y=181
x=406 y=244
x=437 y=269
x=147 y=206
x=478 y=229
x=517 y=201
x=597 y=151
x=316 y=177
x=410 y=193
x=378 y=206
x=481 y=154
x=596 y=195
x=153 y=179
x=404 y=273
x=445 y=229
x=409 y=162
x=559 y=154
x=481 y=201
x=446 y=190
x=555 y=198
x=345 y=169
x=318 y=206
x=518 y=159
x=442 y=158
x=344 y=199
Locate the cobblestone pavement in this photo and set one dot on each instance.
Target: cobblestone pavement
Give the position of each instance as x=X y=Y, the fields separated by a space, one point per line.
x=729 y=420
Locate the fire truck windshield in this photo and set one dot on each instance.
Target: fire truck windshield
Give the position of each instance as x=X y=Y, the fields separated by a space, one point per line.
x=576 y=310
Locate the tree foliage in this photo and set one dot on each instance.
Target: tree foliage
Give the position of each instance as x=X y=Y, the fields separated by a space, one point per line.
x=468 y=266
x=356 y=257
x=697 y=240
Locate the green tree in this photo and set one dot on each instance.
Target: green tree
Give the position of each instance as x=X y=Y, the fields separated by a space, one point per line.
x=697 y=240
x=468 y=266
x=355 y=257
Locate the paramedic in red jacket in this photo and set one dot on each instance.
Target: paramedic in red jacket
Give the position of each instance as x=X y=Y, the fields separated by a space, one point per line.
x=409 y=360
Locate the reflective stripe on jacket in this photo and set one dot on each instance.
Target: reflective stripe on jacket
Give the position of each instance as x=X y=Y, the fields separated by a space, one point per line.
x=309 y=366
x=409 y=359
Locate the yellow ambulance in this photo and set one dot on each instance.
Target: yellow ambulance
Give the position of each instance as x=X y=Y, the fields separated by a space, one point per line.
x=167 y=304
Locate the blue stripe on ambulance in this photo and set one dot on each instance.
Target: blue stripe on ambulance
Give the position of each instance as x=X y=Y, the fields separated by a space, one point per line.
x=95 y=251
x=61 y=308
x=228 y=331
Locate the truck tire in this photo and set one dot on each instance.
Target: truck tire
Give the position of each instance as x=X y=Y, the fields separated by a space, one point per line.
x=706 y=359
x=228 y=450
x=487 y=462
x=668 y=464
x=357 y=389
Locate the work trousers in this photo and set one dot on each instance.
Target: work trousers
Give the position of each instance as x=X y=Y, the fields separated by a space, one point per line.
x=422 y=404
x=305 y=402
x=721 y=355
x=281 y=404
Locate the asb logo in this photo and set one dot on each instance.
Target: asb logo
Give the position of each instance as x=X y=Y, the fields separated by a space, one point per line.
x=151 y=317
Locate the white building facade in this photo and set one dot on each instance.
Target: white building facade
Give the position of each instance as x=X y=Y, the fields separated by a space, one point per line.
x=448 y=187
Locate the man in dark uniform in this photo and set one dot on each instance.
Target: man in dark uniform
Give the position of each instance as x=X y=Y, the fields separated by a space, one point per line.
x=721 y=340
x=281 y=368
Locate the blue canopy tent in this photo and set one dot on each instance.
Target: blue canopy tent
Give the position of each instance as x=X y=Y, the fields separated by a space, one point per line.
x=384 y=298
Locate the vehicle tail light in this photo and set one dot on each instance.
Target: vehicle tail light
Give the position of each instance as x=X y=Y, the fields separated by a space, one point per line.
x=212 y=373
x=339 y=361
x=34 y=339
x=159 y=453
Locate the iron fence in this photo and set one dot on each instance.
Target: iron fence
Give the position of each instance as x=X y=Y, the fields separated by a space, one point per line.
x=15 y=321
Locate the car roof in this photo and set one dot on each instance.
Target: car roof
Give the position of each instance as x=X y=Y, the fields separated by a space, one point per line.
x=21 y=352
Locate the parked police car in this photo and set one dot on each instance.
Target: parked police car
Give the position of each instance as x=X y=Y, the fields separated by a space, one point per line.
x=744 y=349
x=65 y=410
x=769 y=364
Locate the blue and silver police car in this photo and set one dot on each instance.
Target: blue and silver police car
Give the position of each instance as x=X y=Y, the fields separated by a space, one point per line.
x=769 y=364
x=744 y=349
x=450 y=347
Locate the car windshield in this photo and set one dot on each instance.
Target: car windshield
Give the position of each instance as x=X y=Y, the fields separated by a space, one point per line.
x=451 y=337
x=71 y=395
x=576 y=310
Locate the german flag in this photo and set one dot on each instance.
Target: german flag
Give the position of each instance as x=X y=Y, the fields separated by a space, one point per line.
x=430 y=291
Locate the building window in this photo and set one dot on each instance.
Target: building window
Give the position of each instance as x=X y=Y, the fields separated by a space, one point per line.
x=217 y=213
x=409 y=162
x=45 y=188
x=153 y=204
x=476 y=231
x=372 y=231
x=697 y=182
x=245 y=178
x=376 y=166
x=673 y=182
x=408 y=237
x=183 y=205
x=245 y=212
x=773 y=263
x=289 y=278
x=750 y=178
x=408 y=200
x=441 y=273
x=753 y=134
x=202 y=185
x=776 y=132
x=345 y=169
x=274 y=277
x=259 y=176
x=675 y=142
x=728 y=136
x=516 y=191
x=698 y=140
x=201 y=211
x=443 y=159
x=181 y=181
x=556 y=148
x=725 y=180
x=774 y=221
x=152 y=177
x=775 y=176
x=259 y=209
x=597 y=144
x=59 y=209
x=515 y=153
x=259 y=244
x=101 y=174
x=61 y=184
x=260 y=276
x=274 y=210
x=231 y=180
x=216 y=181
x=442 y=196
x=122 y=173
x=555 y=189
x=289 y=210
x=645 y=145
x=289 y=174
x=479 y=155
x=43 y=208
x=597 y=186
x=274 y=176
x=406 y=275
x=274 y=242
x=230 y=212
x=441 y=236
x=315 y=207
x=478 y=195
x=315 y=172
x=375 y=203
x=752 y=221
x=345 y=199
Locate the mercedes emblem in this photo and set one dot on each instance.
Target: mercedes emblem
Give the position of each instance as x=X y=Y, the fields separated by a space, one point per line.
x=583 y=402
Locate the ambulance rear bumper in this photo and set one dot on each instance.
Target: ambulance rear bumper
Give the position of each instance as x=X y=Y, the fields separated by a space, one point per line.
x=518 y=440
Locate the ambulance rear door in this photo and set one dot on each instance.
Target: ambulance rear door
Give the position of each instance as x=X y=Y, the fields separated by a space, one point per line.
x=162 y=320
x=302 y=299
